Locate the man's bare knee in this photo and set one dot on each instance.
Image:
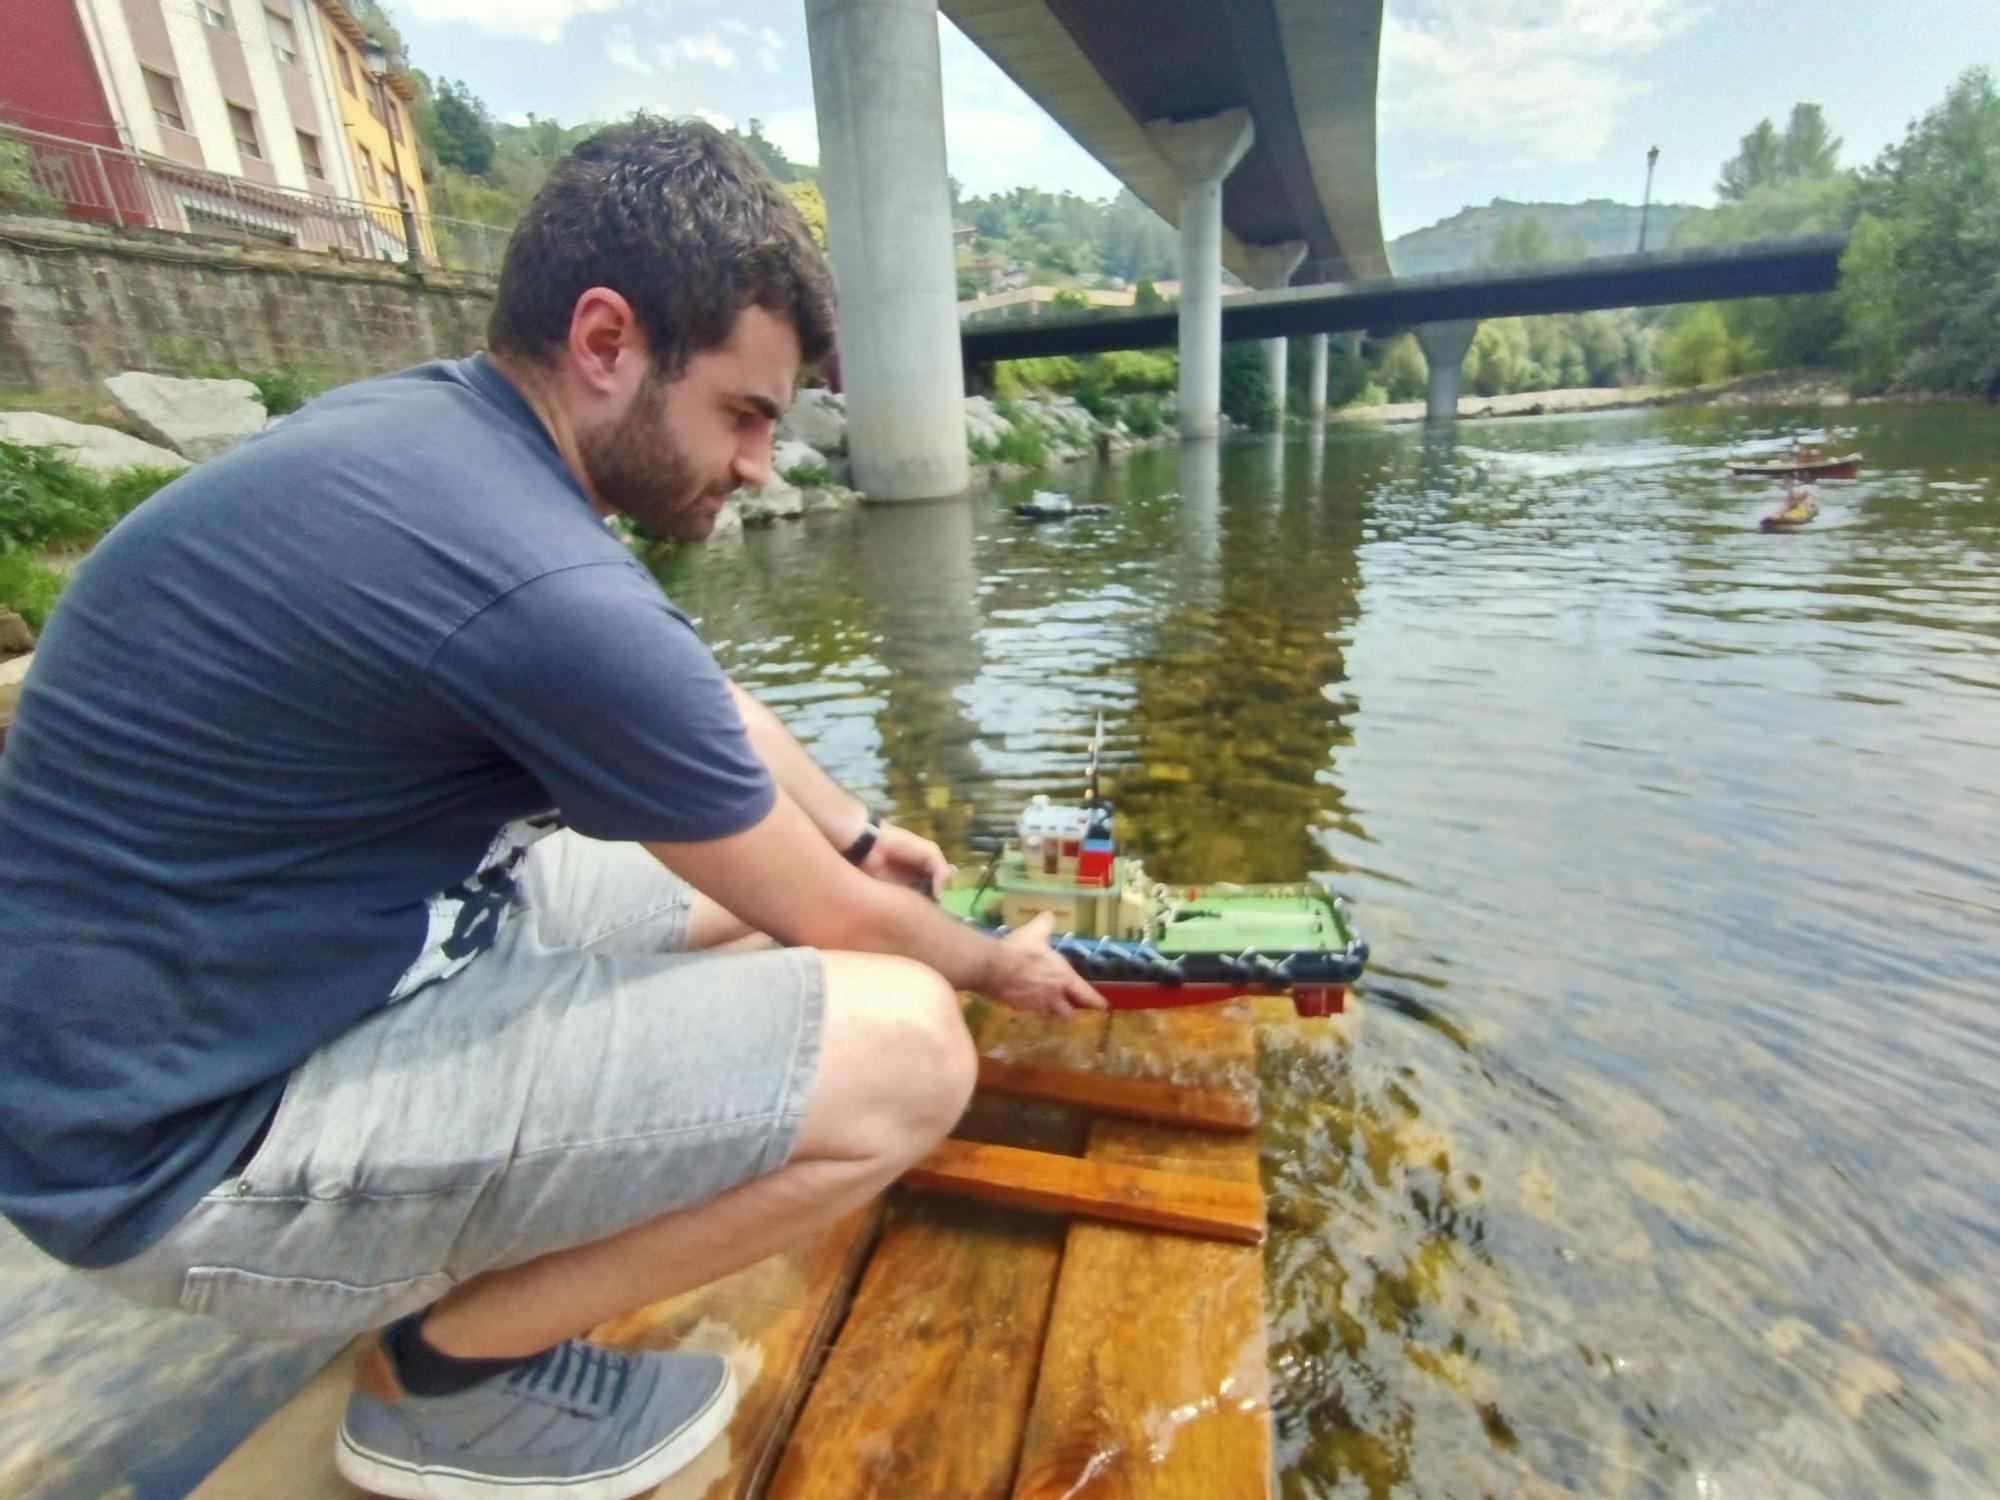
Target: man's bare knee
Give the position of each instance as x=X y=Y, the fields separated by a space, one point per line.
x=896 y=1062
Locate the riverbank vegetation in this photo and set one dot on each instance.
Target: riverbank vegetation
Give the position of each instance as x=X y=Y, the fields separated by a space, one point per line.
x=49 y=505
x=1918 y=300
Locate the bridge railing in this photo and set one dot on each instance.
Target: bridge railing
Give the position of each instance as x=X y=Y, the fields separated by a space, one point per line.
x=58 y=175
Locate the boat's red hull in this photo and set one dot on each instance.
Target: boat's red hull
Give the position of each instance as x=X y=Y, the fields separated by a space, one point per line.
x=1307 y=999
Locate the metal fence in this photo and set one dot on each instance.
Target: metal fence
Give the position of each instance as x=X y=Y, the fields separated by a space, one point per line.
x=52 y=174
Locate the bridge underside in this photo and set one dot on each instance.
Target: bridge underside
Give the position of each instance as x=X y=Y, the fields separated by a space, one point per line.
x=1769 y=268
x=1305 y=69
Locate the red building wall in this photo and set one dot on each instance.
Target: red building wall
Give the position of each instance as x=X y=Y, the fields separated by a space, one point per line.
x=48 y=83
x=47 y=80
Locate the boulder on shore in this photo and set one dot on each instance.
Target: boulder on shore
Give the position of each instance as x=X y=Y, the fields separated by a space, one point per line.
x=818 y=418
x=99 y=451
x=15 y=636
x=197 y=418
x=788 y=454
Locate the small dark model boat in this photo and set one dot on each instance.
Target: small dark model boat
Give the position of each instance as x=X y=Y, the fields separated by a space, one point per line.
x=1054 y=505
x=1807 y=465
x=1148 y=946
x=1799 y=508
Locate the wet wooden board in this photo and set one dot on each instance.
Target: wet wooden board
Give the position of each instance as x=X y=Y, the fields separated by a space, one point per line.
x=1154 y=1381
x=1114 y=1191
x=772 y=1320
x=927 y=1391
x=1159 y=1101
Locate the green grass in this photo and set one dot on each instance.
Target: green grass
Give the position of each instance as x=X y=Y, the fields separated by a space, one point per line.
x=46 y=502
x=808 y=476
x=28 y=587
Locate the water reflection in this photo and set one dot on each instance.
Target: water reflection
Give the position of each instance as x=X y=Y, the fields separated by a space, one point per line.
x=1658 y=1161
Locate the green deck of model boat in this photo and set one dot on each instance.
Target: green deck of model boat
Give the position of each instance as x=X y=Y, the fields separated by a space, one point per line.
x=1269 y=919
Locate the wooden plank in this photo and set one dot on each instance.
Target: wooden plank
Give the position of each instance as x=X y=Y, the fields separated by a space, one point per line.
x=1154 y=1383
x=1115 y=1191
x=927 y=1391
x=1160 y=1102
x=770 y=1320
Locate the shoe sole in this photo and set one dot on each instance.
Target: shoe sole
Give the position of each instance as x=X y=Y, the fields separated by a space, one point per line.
x=382 y=1475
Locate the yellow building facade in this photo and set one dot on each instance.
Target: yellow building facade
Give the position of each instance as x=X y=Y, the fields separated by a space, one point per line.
x=375 y=120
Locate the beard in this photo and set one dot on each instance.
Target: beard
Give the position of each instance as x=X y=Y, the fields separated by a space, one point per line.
x=639 y=472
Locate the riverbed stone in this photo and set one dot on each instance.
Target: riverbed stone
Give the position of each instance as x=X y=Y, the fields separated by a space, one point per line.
x=788 y=454
x=777 y=501
x=196 y=418
x=821 y=498
x=15 y=636
x=817 y=417
x=99 y=451
x=728 y=523
x=983 y=424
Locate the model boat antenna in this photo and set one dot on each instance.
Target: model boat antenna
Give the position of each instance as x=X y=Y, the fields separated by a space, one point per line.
x=1096 y=744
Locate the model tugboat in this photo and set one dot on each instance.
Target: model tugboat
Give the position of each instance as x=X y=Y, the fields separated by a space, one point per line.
x=1146 y=946
x=1056 y=505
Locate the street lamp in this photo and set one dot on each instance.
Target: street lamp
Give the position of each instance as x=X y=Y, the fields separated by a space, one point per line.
x=377 y=58
x=1652 y=156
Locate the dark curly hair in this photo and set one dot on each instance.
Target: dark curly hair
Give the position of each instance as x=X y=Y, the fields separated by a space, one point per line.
x=679 y=220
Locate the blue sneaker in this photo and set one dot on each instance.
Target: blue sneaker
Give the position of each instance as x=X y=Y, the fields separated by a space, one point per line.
x=580 y=1422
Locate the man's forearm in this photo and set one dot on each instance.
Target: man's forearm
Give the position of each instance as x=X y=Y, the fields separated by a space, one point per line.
x=836 y=812
x=888 y=919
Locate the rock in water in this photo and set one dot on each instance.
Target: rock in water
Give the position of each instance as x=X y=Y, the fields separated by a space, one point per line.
x=817 y=418
x=197 y=418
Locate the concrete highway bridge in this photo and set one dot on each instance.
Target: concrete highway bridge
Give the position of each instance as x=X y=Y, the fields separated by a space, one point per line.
x=1249 y=124
x=1445 y=309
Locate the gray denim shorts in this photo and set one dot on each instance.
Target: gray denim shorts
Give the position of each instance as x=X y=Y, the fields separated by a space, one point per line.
x=577 y=1078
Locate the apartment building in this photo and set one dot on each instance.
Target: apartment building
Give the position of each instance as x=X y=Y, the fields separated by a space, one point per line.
x=376 y=116
x=241 y=94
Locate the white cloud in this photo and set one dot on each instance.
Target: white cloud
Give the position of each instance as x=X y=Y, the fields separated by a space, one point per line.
x=996 y=137
x=623 y=51
x=1545 y=79
x=541 y=20
x=703 y=47
x=714 y=117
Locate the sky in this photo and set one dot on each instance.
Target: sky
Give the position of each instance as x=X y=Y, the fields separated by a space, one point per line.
x=1535 y=100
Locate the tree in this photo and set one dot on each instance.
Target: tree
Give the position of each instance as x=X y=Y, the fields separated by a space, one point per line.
x=1525 y=242
x=1918 y=285
x=1758 y=162
x=1145 y=294
x=461 y=136
x=1402 y=373
x=1809 y=149
x=766 y=151
x=1247 y=397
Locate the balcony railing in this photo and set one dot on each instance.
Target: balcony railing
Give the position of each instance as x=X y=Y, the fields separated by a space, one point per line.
x=52 y=174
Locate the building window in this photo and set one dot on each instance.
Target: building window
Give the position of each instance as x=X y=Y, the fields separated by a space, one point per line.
x=244 y=126
x=346 y=71
x=394 y=184
x=395 y=119
x=368 y=170
x=284 y=41
x=210 y=16
x=165 y=99
x=309 y=154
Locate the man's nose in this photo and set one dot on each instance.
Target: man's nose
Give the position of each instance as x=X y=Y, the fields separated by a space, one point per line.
x=753 y=464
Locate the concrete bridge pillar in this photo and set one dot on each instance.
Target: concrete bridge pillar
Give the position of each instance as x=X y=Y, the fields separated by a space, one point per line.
x=1270 y=267
x=1202 y=153
x=1444 y=346
x=1317 y=387
x=880 y=105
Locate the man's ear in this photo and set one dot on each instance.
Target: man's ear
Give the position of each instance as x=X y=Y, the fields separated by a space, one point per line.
x=603 y=335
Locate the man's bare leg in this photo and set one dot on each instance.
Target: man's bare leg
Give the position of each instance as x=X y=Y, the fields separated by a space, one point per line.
x=895 y=1071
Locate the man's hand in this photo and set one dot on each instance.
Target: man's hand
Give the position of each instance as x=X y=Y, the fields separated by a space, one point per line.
x=1031 y=976
x=904 y=858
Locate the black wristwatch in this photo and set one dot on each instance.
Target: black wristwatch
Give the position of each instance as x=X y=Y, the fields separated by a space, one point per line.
x=857 y=851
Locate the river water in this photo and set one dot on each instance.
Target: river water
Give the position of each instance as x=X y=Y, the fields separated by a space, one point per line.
x=1659 y=1156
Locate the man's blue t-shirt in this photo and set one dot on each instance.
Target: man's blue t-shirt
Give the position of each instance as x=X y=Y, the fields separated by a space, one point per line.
x=285 y=736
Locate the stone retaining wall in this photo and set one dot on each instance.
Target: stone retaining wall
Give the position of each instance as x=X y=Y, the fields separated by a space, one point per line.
x=79 y=302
